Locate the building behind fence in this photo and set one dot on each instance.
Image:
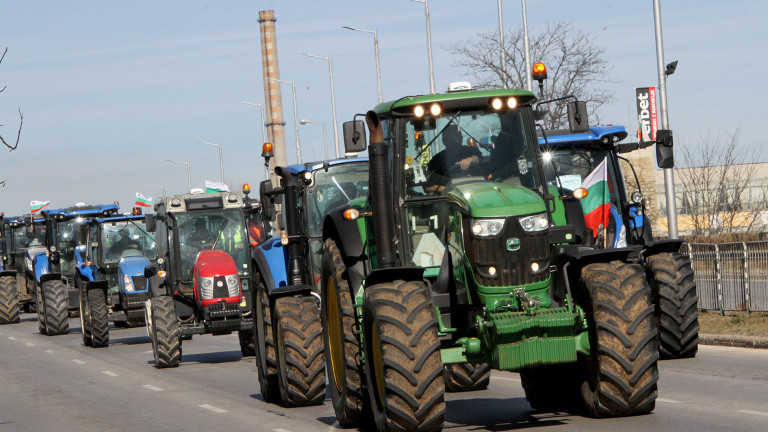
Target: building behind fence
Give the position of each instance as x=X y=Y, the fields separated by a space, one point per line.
x=731 y=276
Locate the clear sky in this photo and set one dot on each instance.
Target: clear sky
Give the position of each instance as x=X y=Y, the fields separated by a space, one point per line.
x=111 y=89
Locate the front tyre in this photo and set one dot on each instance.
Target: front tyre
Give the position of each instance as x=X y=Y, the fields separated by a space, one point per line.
x=9 y=300
x=246 y=343
x=98 y=318
x=163 y=329
x=56 y=302
x=464 y=377
x=299 y=342
x=676 y=302
x=621 y=374
x=403 y=367
x=264 y=343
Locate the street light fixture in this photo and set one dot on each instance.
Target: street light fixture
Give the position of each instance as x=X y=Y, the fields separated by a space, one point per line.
x=263 y=122
x=325 y=140
x=221 y=160
x=429 y=45
x=295 y=114
x=333 y=103
x=376 y=50
x=189 y=175
x=155 y=186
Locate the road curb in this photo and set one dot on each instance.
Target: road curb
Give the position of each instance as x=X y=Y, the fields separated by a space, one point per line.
x=734 y=341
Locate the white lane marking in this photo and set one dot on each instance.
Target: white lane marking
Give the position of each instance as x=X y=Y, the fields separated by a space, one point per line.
x=11 y=338
x=29 y=344
x=148 y=352
x=110 y=373
x=80 y=362
x=49 y=351
x=667 y=400
x=213 y=408
x=760 y=413
x=283 y=430
x=153 y=388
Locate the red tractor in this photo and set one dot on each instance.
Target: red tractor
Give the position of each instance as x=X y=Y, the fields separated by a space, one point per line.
x=200 y=283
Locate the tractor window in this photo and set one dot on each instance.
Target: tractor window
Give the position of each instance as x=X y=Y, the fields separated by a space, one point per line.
x=218 y=229
x=341 y=184
x=66 y=240
x=127 y=238
x=468 y=147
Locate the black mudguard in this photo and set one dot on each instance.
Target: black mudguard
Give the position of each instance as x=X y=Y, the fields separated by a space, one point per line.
x=347 y=237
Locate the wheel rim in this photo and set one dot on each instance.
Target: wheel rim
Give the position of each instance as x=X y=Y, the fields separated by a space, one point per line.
x=82 y=315
x=335 y=340
x=377 y=366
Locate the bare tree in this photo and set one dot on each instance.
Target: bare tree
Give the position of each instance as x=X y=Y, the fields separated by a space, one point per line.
x=21 y=119
x=575 y=64
x=723 y=192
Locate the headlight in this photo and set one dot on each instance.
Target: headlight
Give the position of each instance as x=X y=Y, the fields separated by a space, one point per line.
x=53 y=249
x=128 y=283
x=233 y=281
x=534 y=223
x=207 y=282
x=487 y=227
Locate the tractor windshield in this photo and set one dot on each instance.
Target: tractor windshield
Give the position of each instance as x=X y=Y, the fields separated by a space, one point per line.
x=21 y=241
x=469 y=146
x=338 y=186
x=216 y=229
x=566 y=168
x=66 y=240
x=127 y=238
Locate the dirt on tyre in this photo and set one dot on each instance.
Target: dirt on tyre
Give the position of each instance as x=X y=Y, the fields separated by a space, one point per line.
x=163 y=329
x=464 y=377
x=56 y=302
x=9 y=300
x=246 y=343
x=621 y=374
x=299 y=343
x=403 y=368
x=98 y=318
x=337 y=312
x=264 y=343
x=676 y=303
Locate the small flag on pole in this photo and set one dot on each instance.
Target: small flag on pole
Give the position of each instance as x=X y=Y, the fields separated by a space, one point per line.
x=143 y=201
x=38 y=205
x=213 y=187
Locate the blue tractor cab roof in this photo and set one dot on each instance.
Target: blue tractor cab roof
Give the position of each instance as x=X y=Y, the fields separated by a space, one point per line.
x=119 y=218
x=314 y=166
x=86 y=211
x=596 y=135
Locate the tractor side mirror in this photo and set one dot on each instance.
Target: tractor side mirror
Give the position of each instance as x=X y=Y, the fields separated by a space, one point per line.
x=664 y=156
x=150 y=222
x=354 y=136
x=267 y=200
x=577 y=117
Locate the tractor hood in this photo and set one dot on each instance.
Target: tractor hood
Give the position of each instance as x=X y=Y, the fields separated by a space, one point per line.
x=212 y=263
x=486 y=199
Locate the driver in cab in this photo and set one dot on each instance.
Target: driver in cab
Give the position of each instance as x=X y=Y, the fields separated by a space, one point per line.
x=451 y=162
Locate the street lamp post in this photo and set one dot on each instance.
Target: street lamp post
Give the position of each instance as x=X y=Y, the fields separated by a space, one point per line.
x=325 y=140
x=295 y=114
x=502 y=53
x=221 y=160
x=429 y=45
x=261 y=107
x=189 y=174
x=155 y=186
x=333 y=104
x=528 y=71
x=376 y=50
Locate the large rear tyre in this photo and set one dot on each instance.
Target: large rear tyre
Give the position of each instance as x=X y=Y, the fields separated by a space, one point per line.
x=299 y=342
x=464 y=377
x=163 y=329
x=98 y=318
x=9 y=300
x=621 y=374
x=402 y=357
x=264 y=343
x=56 y=303
x=246 y=343
x=342 y=347
x=676 y=302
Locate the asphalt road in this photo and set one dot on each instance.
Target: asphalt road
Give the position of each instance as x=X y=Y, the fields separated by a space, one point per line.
x=57 y=384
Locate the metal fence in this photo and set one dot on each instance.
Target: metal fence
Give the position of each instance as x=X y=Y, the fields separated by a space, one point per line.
x=731 y=276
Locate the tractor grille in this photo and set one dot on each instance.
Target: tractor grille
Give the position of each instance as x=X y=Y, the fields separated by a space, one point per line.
x=139 y=283
x=512 y=267
x=135 y=301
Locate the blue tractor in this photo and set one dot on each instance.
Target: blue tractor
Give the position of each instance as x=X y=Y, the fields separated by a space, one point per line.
x=109 y=275
x=50 y=266
x=9 y=295
x=570 y=158
x=16 y=280
x=288 y=334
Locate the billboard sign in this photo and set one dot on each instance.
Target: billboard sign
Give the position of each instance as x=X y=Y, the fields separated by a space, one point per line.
x=647 y=118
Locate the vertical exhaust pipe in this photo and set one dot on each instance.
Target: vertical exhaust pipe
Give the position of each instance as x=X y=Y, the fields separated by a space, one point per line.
x=380 y=194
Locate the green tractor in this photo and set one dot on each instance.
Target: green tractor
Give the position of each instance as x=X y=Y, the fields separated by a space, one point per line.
x=462 y=255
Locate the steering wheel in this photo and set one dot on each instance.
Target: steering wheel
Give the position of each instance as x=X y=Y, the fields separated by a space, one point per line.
x=473 y=171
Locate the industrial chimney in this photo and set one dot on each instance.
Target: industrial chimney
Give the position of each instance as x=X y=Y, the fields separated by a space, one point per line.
x=274 y=100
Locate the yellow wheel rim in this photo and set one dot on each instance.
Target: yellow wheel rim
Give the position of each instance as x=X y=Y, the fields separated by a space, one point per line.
x=335 y=337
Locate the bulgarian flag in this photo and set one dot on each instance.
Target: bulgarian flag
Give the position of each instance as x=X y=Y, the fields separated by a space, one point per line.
x=213 y=187
x=143 y=201
x=38 y=205
x=597 y=203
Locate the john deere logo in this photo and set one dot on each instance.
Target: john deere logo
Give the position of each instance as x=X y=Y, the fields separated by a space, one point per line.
x=513 y=244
